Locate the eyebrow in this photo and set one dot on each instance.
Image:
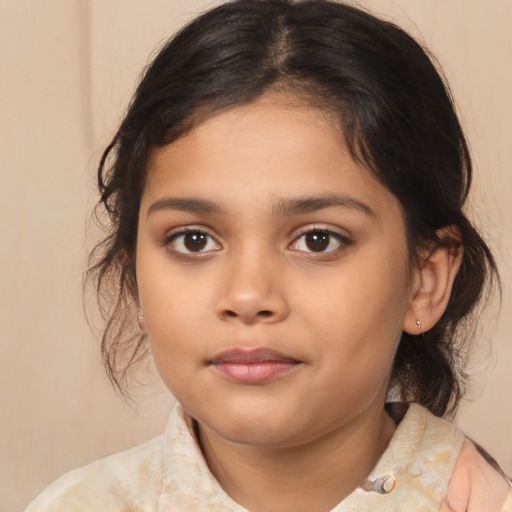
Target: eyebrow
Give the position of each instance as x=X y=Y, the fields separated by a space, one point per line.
x=283 y=207
x=300 y=205
x=191 y=205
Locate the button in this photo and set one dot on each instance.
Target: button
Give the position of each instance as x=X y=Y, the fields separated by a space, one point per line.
x=382 y=485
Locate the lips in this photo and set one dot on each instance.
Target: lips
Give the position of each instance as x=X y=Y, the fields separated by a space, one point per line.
x=255 y=366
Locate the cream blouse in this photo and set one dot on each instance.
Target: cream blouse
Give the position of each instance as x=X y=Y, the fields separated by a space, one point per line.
x=428 y=466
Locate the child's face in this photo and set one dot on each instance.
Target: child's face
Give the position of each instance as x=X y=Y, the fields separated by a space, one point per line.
x=258 y=231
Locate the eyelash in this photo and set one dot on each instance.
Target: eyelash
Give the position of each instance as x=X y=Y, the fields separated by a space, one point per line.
x=206 y=237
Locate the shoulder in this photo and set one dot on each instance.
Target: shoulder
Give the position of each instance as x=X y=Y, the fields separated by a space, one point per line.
x=436 y=465
x=169 y=471
x=477 y=483
x=114 y=483
x=474 y=480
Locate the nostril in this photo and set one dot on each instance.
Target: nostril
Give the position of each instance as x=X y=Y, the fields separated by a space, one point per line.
x=264 y=313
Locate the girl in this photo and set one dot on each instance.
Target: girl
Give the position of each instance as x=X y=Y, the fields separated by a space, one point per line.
x=285 y=198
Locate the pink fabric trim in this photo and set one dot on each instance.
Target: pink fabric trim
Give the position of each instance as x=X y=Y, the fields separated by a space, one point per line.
x=475 y=486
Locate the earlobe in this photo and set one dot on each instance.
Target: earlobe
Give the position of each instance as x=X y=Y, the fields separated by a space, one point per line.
x=141 y=321
x=433 y=280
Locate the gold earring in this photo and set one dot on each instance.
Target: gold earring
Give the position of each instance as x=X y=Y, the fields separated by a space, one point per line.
x=418 y=323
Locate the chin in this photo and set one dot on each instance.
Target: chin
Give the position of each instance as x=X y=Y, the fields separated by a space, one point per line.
x=257 y=435
x=265 y=429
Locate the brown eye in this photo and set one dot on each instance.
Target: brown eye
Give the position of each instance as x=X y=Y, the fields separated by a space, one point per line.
x=195 y=242
x=319 y=241
x=191 y=241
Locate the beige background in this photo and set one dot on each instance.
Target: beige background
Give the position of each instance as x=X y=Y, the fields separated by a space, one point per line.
x=67 y=70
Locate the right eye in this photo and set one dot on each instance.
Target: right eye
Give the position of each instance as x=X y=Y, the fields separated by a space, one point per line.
x=192 y=241
x=320 y=241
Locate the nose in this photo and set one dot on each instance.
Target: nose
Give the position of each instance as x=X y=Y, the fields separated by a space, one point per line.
x=252 y=291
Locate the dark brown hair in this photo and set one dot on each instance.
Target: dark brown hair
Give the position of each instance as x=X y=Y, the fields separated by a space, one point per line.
x=397 y=117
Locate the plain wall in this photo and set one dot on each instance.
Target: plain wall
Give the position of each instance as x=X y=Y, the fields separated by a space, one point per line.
x=68 y=69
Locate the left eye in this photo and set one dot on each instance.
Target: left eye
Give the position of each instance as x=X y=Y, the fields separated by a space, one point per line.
x=318 y=240
x=192 y=242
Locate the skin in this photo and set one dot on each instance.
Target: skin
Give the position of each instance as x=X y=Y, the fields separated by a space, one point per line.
x=338 y=312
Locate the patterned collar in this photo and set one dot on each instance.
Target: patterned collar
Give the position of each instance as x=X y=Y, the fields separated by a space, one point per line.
x=412 y=474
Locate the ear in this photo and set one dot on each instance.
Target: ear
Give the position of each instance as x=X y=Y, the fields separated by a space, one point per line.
x=433 y=280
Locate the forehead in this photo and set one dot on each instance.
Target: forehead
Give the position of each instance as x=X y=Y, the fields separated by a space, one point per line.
x=269 y=150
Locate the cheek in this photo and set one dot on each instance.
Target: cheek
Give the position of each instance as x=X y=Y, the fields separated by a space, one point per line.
x=363 y=298
x=166 y=306
x=175 y=340
x=170 y=295
x=359 y=312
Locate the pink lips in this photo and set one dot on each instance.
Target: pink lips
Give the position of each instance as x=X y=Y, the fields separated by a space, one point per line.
x=254 y=366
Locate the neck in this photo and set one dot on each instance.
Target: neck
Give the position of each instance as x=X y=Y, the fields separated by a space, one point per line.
x=314 y=476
